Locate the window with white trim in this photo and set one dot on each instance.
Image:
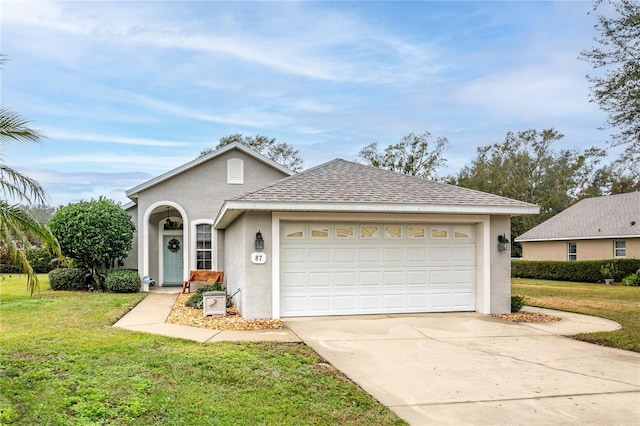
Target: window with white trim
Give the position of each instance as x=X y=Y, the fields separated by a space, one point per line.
x=204 y=247
x=619 y=248
x=572 y=251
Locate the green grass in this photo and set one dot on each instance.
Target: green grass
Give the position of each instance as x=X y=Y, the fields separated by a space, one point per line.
x=62 y=363
x=618 y=303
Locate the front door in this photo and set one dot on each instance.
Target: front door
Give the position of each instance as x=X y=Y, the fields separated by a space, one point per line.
x=173 y=259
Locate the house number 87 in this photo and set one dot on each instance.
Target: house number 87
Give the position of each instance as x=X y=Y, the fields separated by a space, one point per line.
x=258 y=258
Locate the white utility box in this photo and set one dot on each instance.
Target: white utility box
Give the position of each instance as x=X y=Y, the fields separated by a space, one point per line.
x=214 y=303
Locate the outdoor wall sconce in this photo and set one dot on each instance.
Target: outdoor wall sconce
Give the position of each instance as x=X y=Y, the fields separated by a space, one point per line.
x=503 y=243
x=259 y=241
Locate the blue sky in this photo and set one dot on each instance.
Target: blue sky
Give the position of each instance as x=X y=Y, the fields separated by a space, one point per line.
x=125 y=91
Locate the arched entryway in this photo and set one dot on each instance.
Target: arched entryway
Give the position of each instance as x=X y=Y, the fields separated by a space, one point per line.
x=166 y=242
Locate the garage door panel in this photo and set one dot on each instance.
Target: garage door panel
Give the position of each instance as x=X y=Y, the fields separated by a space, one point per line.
x=344 y=279
x=417 y=278
x=369 y=279
x=344 y=255
x=393 y=301
x=418 y=301
x=321 y=280
x=441 y=300
x=292 y=256
x=318 y=304
x=411 y=272
x=369 y=302
x=393 y=254
x=393 y=278
x=439 y=254
x=462 y=300
x=369 y=255
x=417 y=255
x=462 y=254
x=345 y=303
x=439 y=278
x=293 y=280
x=320 y=255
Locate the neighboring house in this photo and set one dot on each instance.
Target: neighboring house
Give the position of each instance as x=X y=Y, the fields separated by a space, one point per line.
x=594 y=228
x=339 y=239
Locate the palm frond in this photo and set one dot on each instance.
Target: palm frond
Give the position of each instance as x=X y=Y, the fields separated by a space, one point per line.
x=16 y=225
x=14 y=127
x=20 y=186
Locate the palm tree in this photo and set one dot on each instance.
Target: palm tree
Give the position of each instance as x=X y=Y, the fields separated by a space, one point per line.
x=15 y=224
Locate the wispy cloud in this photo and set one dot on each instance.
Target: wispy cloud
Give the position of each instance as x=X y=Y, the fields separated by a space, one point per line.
x=121 y=140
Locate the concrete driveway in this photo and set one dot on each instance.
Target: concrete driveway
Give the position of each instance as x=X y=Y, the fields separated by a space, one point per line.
x=464 y=369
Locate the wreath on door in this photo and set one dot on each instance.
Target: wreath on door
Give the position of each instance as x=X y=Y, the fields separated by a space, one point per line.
x=173 y=245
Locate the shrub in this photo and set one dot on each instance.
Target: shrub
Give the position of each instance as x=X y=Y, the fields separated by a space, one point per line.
x=98 y=234
x=40 y=259
x=579 y=271
x=517 y=303
x=632 y=280
x=123 y=281
x=67 y=279
x=195 y=301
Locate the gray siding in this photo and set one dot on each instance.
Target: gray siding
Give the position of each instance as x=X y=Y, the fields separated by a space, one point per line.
x=254 y=281
x=500 y=267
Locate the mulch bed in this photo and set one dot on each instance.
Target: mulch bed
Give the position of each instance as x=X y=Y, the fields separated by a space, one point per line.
x=526 y=317
x=185 y=315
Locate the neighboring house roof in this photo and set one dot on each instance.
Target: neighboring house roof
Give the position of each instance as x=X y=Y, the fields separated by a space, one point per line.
x=133 y=192
x=613 y=216
x=341 y=185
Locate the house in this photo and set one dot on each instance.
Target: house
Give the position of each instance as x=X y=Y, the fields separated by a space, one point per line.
x=338 y=239
x=593 y=228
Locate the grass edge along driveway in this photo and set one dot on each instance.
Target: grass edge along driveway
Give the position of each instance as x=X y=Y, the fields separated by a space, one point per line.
x=614 y=302
x=61 y=362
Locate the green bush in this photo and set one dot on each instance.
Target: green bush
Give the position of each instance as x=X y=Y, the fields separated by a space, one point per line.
x=123 y=281
x=195 y=301
x=632 y=280
x=588 y=271
x=517 y=303
x=67 y=279
x=40 y=259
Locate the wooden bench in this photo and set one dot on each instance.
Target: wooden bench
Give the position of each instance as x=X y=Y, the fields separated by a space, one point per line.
x=202 y=277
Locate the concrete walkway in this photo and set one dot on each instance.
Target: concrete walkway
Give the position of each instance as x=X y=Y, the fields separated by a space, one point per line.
x=457 y=369
x=150 y=314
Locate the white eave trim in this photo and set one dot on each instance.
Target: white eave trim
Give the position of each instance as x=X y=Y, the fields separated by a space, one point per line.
x=232 y=209
x=589 y=237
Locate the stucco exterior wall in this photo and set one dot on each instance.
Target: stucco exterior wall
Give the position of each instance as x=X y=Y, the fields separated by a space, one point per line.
x=500 y=266
x=200 y=192
x=253 y=280
x=586 y=249
x=131 y=261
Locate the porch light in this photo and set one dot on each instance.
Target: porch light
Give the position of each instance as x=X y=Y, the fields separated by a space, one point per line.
x=503 y=243
x=168 y=222
x=259 y=241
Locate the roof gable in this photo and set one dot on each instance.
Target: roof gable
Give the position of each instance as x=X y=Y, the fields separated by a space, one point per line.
x=132 y=193
x=599 y=217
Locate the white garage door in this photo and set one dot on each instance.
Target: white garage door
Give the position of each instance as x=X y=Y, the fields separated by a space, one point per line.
x=367 y=268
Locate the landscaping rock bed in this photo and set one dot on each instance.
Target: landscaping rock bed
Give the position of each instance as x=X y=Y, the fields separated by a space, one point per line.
x=184 y=315
x=526 y=317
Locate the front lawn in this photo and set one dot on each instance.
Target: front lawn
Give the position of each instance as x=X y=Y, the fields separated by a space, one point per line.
x=615 y=302
x=61 y=362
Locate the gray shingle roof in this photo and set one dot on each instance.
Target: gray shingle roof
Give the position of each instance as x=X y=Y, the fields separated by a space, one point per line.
x=341 y=181
x=599 y=217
